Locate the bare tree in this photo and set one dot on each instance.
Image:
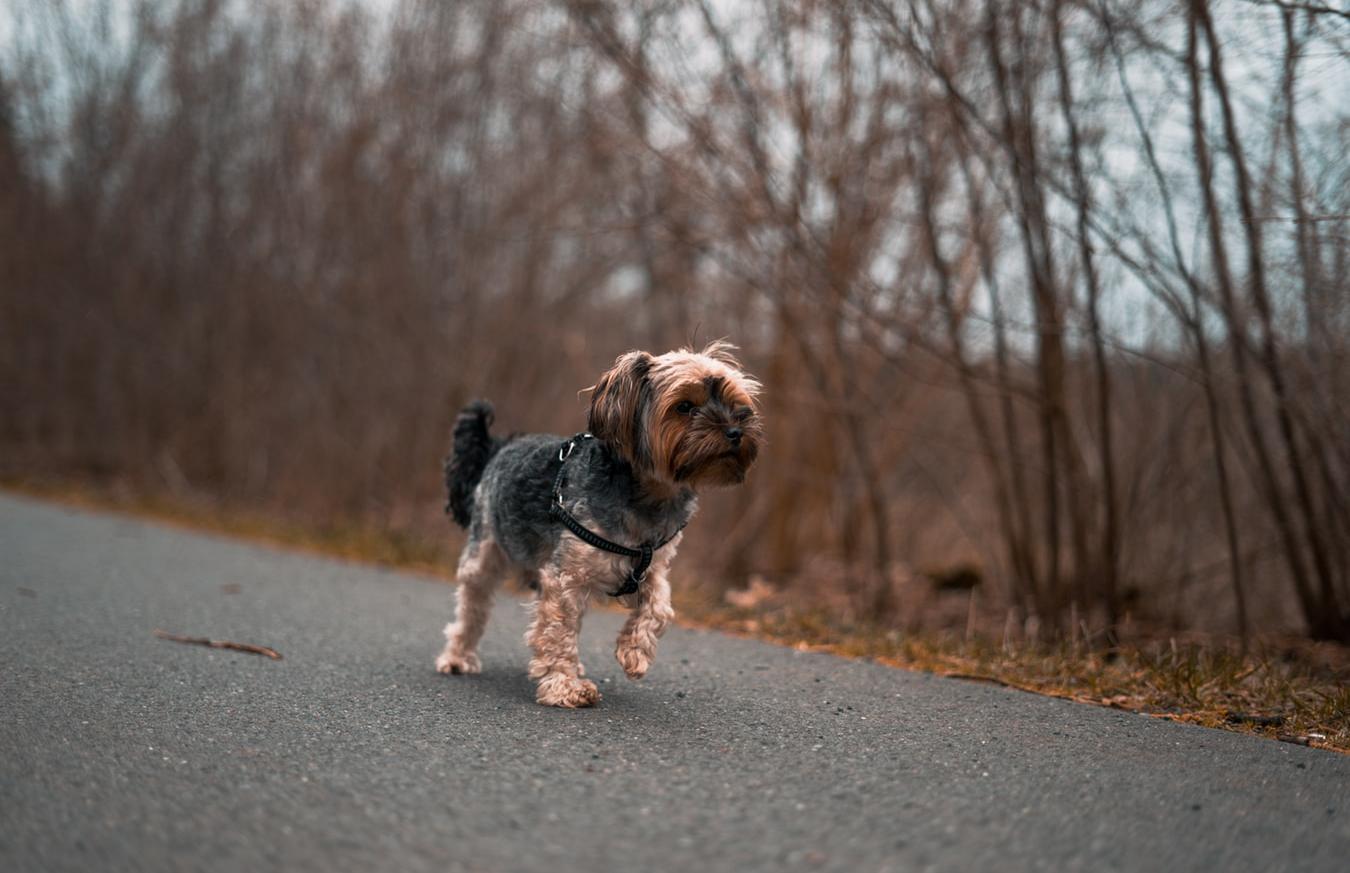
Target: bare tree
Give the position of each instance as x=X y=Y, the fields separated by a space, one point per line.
x=258 y=254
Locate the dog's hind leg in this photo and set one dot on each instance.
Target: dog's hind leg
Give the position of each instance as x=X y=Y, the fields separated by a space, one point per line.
x=481 y=568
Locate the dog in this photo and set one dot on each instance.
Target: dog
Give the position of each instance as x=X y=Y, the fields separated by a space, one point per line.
x=600 y=514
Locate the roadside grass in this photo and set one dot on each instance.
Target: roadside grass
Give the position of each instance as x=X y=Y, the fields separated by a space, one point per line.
x=1285 y=689
x=1282 y=688
x=366 y=543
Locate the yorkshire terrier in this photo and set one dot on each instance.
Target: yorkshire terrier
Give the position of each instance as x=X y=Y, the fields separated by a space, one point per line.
x=598 y=514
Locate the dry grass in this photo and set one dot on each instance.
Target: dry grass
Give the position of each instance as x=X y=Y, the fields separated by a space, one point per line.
x=1285 y=689
x=403 y=548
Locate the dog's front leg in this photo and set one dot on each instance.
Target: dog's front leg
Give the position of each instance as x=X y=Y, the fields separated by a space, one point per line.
x=651 y=615
x=553 y=637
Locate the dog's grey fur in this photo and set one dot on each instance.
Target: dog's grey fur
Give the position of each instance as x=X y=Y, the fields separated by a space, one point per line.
x=511 y=504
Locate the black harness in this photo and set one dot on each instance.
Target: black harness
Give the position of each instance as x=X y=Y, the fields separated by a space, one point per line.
x=642 y=555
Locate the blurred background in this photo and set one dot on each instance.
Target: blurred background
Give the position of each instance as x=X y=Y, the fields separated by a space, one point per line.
x=1049 y=297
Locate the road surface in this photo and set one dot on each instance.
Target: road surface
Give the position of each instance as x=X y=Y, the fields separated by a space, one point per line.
x=120 y=751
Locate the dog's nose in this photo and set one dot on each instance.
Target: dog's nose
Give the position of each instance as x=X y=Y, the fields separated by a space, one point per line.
x=734 y=434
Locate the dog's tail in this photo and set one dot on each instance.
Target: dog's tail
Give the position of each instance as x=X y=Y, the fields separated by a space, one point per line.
x=474 y=447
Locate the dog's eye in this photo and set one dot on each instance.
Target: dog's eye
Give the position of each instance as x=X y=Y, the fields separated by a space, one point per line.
x=684 y=407
x=743 y=413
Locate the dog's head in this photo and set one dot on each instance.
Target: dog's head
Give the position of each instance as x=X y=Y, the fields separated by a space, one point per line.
x=685 y=417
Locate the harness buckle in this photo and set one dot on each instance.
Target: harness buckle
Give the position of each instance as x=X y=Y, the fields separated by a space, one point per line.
x=566 y=449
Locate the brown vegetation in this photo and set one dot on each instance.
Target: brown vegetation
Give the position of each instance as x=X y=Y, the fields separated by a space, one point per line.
x=1048 y=297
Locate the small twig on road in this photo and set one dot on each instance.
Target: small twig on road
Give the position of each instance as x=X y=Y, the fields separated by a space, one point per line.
x=1296 y=739
x=219 y=644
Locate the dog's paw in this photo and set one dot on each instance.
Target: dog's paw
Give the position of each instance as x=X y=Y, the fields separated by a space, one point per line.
x=569 y=692
x=459 y=664
x=634 y=661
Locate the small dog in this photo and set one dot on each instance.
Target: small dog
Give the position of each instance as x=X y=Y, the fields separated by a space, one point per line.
x=600 y=513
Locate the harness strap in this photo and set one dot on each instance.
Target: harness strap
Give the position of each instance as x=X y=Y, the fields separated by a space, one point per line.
x=642 y=555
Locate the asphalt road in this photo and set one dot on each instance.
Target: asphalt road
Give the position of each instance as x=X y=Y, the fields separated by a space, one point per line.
x=120 y=751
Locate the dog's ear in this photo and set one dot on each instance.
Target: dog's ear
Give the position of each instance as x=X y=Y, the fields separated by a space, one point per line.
x=619 y=407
